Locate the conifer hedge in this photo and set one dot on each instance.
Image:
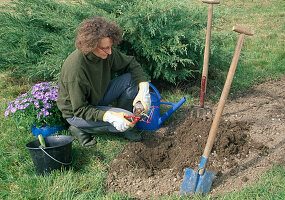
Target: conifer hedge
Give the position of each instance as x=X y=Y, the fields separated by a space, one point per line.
x=166 y=36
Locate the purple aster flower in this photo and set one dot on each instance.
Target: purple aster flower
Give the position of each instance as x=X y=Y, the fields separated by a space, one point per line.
x=37 y=104
x=39 y=95
x=39 y=115
x=21 y=107
x=35 y=88
x=48 y=94
x=54 y=91
x=24 y=101
x=46 y=88
x=43 y=83
x=9 y=107
x=46 y=113
x=44 y=100
x=47 y=105
x=26 y=105
x=24 y=95
x=6 y=113
x=53 y=96
x=13 y=110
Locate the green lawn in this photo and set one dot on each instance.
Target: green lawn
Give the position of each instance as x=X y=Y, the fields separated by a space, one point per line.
x=263 y=55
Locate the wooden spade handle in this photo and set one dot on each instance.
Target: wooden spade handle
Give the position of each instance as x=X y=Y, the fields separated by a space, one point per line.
x=206 y=53
x=211 y=1
x=243 y=30
x=224 y=95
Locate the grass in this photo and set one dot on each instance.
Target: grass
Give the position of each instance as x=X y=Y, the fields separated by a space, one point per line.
x=271 y=185
x=262 y=59
x=263 y=55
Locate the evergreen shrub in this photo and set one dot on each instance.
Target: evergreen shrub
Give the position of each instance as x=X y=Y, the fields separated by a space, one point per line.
x=166 y=36
x=36 y=36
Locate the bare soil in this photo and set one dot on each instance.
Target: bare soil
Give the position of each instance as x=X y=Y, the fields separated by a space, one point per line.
x=249 y=141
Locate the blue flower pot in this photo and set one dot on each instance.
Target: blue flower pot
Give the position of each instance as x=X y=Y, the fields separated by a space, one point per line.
x=46 y=130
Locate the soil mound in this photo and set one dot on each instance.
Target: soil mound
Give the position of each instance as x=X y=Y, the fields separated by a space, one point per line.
x=145 y=167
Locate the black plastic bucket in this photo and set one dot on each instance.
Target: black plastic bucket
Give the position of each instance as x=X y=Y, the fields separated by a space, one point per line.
x=57 y=154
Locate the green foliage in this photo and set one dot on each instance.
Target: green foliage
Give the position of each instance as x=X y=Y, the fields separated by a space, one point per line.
x=37 y=35
x=165 y=36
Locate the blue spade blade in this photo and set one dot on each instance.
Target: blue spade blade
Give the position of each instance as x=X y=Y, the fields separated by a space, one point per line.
x=205 y=182
x=194 y=183
x=189 y=182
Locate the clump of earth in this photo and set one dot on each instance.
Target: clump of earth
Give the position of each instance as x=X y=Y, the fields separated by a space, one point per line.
x=247 y=143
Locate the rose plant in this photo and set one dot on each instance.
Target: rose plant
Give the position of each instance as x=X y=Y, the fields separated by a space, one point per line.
x=37 y=106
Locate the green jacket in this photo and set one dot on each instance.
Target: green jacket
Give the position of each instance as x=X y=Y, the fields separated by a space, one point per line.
x=84 y=80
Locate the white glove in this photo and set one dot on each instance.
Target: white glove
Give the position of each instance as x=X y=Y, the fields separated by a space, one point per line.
x=143 y=96
x=117 y=119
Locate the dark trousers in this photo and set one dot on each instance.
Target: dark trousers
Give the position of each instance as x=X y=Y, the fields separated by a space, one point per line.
x=122 y=89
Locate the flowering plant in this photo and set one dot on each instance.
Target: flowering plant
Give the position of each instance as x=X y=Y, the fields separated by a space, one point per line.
x=38 y=106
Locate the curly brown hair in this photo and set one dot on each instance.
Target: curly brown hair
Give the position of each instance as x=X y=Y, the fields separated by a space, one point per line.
x=91 y=31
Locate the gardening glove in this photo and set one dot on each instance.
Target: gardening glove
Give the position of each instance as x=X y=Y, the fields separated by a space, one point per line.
x=117 y=119
x=143 y=96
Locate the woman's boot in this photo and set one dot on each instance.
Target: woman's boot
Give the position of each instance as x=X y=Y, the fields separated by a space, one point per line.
x=84 y=138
